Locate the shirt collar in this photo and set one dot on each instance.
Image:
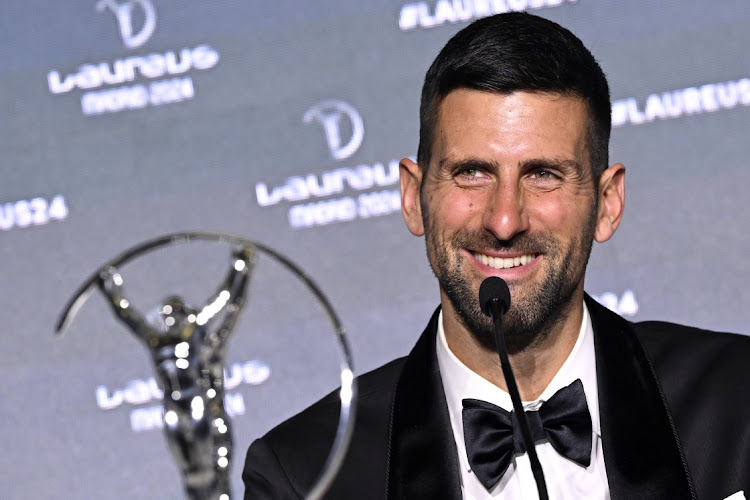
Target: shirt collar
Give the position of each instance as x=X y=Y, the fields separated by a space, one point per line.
x=459 y=382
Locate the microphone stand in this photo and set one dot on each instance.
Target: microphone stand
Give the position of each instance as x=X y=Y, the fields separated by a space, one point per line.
x=496 y=309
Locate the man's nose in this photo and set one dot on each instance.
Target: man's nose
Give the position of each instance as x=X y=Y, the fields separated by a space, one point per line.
x=505 y=214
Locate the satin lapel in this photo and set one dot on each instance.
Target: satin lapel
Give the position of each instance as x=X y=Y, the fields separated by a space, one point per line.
x=422 y=462
x=641 y=449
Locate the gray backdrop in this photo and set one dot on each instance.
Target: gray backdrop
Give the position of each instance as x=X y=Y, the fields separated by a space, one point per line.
x=282 y=121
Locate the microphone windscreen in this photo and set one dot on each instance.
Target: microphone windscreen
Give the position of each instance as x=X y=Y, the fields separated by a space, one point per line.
x=494 y=288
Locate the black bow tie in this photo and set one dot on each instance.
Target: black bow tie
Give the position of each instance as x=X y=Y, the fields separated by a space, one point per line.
x=493 y=435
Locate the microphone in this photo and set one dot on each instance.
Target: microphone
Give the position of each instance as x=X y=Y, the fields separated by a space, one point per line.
x=494 y=289
x=494 y=300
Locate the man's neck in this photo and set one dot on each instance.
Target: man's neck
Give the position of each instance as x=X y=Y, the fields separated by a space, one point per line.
x=534 y=365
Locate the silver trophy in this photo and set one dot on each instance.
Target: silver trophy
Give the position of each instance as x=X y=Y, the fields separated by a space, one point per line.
x=188 y=350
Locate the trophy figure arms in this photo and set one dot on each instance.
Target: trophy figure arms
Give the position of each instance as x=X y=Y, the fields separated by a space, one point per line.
x=110 y=283
x=230 y=296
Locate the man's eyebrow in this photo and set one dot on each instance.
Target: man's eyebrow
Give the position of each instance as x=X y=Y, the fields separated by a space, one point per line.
x=553 y=163
x=453 y=163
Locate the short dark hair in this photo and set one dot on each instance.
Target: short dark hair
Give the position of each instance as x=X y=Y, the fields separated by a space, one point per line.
x=505 y=53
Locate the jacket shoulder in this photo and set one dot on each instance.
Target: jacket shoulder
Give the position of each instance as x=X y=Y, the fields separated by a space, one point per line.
x=696 y=367
x=706 y=380
x=688 y=353
x=286 y=462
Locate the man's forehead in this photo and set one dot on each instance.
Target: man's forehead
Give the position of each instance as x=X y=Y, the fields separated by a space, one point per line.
x=523 y=125
x=569 y=98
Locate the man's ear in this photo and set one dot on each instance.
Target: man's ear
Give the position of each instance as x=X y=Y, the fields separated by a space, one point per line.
x=611 y=202
x=411 y=179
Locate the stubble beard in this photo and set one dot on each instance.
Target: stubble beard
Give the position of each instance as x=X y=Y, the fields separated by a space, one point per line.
x=532 y=316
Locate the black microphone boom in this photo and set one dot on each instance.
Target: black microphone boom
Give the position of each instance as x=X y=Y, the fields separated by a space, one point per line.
x=494 y=299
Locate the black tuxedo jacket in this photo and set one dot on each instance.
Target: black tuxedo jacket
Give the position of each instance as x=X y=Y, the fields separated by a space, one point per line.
x=674 y=407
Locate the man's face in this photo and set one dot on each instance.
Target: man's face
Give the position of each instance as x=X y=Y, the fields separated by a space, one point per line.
x=509 y=192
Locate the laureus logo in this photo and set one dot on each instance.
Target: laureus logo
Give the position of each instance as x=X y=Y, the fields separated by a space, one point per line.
x=329 y=114
x=126 y=13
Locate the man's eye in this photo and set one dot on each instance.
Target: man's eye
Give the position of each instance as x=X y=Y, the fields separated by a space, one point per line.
x=543 y=174
x=470 y=173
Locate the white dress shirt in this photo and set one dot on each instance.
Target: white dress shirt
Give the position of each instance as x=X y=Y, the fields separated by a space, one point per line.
x=566 y=480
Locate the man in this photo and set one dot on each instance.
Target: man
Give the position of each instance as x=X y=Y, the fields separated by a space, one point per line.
x=512 y=180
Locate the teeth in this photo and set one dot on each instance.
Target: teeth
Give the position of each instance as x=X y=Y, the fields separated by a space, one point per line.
x=501 y=263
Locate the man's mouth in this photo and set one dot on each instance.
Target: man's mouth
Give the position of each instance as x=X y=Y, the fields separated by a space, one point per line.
x=503 y=262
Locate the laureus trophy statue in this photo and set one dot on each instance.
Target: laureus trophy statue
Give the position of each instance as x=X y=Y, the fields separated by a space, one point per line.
x=188 y=350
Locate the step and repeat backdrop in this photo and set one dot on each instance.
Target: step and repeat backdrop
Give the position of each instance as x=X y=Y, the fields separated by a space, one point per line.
x=283 y=121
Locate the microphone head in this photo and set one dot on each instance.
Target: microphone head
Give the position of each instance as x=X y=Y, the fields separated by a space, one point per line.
x=494 y=288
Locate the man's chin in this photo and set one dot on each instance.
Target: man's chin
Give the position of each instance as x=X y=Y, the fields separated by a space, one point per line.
x=517 y=337
x=522 y=325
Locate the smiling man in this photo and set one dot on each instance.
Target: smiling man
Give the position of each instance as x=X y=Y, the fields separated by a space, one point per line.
x=513 y=180
x=510 y=192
